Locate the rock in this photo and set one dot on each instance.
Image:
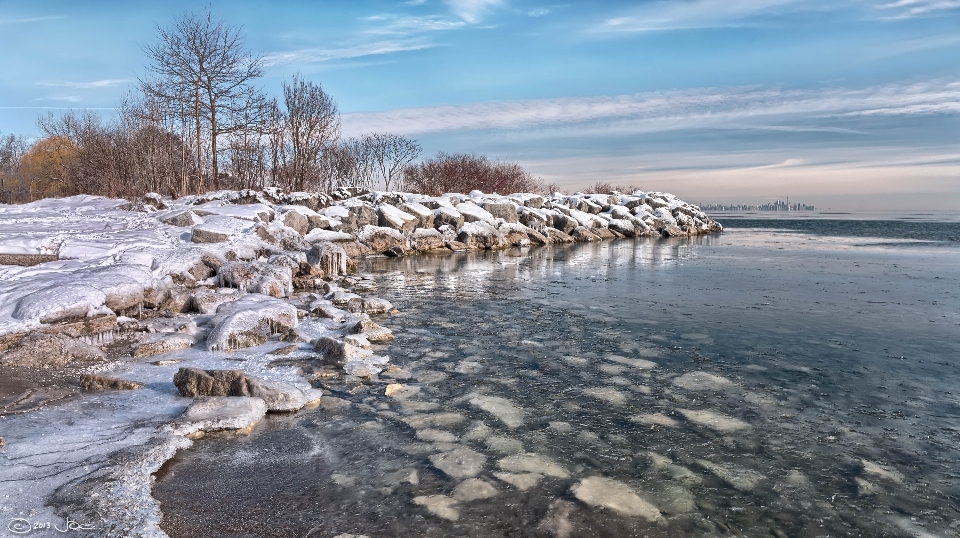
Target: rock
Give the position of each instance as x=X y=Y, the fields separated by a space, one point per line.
x=564 y=223
x=534 y=219
x=605 y=233
x=329 y=258
x=178 y=302
x=250 y=321
x=27 y=260
x=474 y=489
x=741 y=479
x=521 y=481
x=702 y=381
x=715 y=421
x=623 y=226
x=338 y=352
x=183 y=219
x=515 y=234
x=557 y=236
x=297 y=221
x=502 y=408
x=439 y=505
x=276 y=395
x=162 y=343
x=206 y=300
x=423 y=213
x=460 y=462
x=447 y=216
x=456 y=246
x=391 y=217
x=532 y=463
x=617 y=496
x=40 y=350
x=3 y=442
x=425 y=240
x=219 y=229
x=367 y=367
x=210 y=414
x=374 y=332
x=258 y=277
x=480 y=235
x=557 y=519
x=473 y=213
x=374 y=306
x=282 y=236
x=584 y=234
x=380 y=239
x=400 y=392
x=505 y=211
x=435 y=420
x=84 y=327
x=99 y=382
x=673 y=231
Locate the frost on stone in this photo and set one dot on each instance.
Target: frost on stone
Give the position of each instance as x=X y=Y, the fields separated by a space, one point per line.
x=250 y=321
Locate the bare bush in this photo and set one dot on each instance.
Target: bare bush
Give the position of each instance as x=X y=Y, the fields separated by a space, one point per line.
x=605 y=187
x=466 y=172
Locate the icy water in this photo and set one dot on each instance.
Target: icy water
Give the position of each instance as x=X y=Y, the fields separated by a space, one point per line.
x=763 y=382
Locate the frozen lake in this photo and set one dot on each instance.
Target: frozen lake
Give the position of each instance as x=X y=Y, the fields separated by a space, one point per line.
x=798 y=380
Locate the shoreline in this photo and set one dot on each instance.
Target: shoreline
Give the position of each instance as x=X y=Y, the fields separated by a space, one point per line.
x=204 y=276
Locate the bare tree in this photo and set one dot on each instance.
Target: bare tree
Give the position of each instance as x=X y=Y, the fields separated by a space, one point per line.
x=12 y=185
x=466 y=172
x=313 y=123
x=200 y=64
x=391 y=153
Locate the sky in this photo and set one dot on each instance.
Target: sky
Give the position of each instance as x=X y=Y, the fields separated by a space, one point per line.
x=843 y=104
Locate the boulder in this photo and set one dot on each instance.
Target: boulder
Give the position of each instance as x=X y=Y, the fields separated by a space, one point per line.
x=473 y=213
x=372 y=331
x=257 y=277
x=277 y=395
x=556 y=236
x=329 y=258
x=604 y=233
x=502 y=210
x=673 y=231
x=40 y=350
x=99 y=382
x=219 y=229
x=423 y=213
x=207 y=300
x=515 y=234
x=297 y=221
x=250 y=321
x=583 y=234
x=564 y=223
x=380 y=239
x=480 y=235
x=537 y=238
x=183 y=219
x=448 y=216
x=391 y=217
x=211 y=414
x=375 y=306
x=425 y=240
x=338 y=352
x=282 y=236
x=162 y=343
x=534 y=219
x=84 y=327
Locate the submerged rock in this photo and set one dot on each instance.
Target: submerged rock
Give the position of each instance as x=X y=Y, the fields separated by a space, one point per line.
x=439 y=505
x=521 y=481
x=617 y=496
x=460 y=462
x=211 y=414
x=502 y=408
x=474 y=489
x=713 y=420
x=533 y=463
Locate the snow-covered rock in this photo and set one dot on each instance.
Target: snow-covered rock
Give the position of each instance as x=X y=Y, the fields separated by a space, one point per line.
x=391 y=217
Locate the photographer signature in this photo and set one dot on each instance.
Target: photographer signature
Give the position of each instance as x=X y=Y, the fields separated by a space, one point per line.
x=20 y=525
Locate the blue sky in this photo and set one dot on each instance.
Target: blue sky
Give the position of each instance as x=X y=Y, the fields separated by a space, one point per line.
x=848 y=104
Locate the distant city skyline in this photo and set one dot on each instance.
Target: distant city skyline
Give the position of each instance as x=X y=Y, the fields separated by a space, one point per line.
x=850 y=104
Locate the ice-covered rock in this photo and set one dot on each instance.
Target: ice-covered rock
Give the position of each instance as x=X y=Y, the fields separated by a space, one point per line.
x=473 y=213
x=328 y=257
x=219 y=413
x=381 y=240
x=162 y=343
x=257 y=277
x=277 y=395
x=102 y=382
x=250 y=321
x=41 y=350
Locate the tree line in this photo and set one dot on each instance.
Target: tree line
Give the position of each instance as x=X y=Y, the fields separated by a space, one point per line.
x=197 y=122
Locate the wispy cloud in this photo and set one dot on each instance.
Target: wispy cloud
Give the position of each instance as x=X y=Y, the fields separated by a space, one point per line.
x=315 y=55
x=903 y=9
x=538 y=12
x=472 y=11
x=104 y=83
x=387 y=24
x=25 y=20
x=66 y=98
x=734 y=108
x=663 y=15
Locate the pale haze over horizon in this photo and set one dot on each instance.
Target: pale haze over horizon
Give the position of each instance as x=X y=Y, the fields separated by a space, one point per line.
x=844 y=104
